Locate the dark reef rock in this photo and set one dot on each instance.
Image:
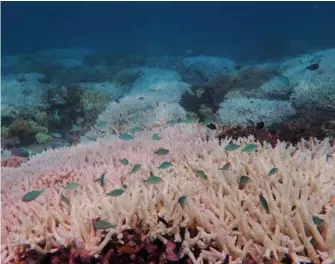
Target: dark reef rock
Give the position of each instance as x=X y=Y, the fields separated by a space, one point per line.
x=205 y=99
x=10 y=142
x=291 y=132
x=134 y=250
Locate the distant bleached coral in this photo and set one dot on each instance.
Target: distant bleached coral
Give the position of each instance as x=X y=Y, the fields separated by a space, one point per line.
x=277 y=88
x=269 y=214
x=9 y=110
x=5 y=154
x=152 y=101
x=133 y=113
x=108 y=88
x=167 y=91
x=240 y=111
x=312 y=88
x=209 y=65
x=151 y=77
x=318 y=92
x=22 y=89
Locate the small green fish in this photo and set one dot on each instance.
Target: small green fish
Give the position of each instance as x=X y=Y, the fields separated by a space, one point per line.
x=156 y=137
x=232 y=147
x=30 y=196
x=102 y=179
x=226 y=166
x=126 y=136
x=244 y=179
x=136 y=168
x=64 y=198
x=317 y=220
x=272 y=171
x=72 y=185
x=249 y=148
x=153 y=179
x=165 y=165
x=264 y=203
x=182 y=200
x=243 y=182
x=161 y=152
x=115 y=192
x=202 y=174
x=124 y=161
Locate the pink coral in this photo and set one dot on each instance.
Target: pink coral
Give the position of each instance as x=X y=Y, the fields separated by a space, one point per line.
x=13 y=162
x=225 y=217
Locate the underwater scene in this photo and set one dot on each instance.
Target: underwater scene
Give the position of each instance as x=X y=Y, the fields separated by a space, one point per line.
x=167 y=132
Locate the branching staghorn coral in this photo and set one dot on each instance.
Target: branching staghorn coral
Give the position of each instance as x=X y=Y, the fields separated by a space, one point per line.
x=243 y=198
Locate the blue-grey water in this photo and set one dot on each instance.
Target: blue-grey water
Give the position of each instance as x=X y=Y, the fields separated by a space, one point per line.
x=237 y=63
x=241 y=30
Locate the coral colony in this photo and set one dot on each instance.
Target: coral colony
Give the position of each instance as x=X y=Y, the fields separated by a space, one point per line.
x=181 y=160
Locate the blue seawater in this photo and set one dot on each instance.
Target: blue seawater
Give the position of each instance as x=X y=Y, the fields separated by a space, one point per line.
x=243 y=30
x=73 y=68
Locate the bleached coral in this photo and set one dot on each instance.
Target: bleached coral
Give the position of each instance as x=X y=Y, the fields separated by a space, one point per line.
x=239 y=111
x=164 y=85
x=153 y=100
x=133 y=112
x=209 y=65
x=150 y=77
x=107 y=88
x=312 y=88
x=277 y=88
x=230 y=219
x=167 y=91
x=5 y=154
x=9 y=110
x=22 y=90
x=317 y=92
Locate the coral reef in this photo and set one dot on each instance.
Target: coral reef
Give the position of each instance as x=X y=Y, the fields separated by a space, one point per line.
x=9 y=113
x=13 y=162
x=94 y=101
x=126 y=78
x=42 y=137
x=144 y=182
x=290 y=132
x=240 y=111
x=9 y=142
x=210 y=94
x=25 y=130
x=21 y=90
x=246 y=200
x=199 y=69
x=135 y=113
x=134 y=248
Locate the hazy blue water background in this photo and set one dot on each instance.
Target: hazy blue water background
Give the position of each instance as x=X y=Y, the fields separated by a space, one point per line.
x=241 y=30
